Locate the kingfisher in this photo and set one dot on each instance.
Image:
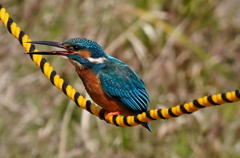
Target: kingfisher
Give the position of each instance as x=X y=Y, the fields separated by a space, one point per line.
x=109 y=82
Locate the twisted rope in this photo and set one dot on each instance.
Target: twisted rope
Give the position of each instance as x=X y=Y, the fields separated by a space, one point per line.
x=117 y=120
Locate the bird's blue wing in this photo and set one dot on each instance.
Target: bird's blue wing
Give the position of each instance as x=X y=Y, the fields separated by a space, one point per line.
x=123 y=84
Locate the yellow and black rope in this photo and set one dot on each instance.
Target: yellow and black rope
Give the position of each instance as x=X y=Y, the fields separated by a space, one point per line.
x=67 y=89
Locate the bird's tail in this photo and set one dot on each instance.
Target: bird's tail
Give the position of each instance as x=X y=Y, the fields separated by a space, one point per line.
x=147 y=125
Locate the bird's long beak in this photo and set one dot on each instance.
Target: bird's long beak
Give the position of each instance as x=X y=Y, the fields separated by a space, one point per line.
x=54 y=44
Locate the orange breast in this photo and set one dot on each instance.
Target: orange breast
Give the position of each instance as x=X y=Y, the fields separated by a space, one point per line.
x=93 y=87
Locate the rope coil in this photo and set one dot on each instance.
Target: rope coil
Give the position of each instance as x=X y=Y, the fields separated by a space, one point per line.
x=155 y=114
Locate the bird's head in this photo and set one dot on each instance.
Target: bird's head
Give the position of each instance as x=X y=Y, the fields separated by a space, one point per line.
x=82 y=53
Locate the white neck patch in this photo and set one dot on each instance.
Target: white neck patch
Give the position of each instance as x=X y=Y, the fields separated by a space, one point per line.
x=96 y=60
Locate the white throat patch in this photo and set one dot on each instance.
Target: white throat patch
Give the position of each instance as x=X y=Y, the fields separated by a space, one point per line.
x=64 y=57
x=76 y=64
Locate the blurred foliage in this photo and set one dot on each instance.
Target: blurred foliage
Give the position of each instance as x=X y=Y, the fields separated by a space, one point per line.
x=182 y=49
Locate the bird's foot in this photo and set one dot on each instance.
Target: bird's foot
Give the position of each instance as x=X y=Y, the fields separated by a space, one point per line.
x=102 y=116
x=111 y=114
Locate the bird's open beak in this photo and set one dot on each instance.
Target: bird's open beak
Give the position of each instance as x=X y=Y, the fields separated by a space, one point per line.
x=54 y=44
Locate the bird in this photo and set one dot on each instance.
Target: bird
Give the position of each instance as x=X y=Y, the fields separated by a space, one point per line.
x=110 y=83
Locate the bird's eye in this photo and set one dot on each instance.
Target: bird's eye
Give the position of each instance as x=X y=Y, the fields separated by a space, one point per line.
x=76 y=48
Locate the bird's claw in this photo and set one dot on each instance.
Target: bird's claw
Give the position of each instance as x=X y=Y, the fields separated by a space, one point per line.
x=111 y=114
x=102 y=116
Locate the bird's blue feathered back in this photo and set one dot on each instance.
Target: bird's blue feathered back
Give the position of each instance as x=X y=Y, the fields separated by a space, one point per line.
x=124 y=85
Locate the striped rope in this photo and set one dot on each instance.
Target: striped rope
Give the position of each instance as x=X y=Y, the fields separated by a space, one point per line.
x=117 y=120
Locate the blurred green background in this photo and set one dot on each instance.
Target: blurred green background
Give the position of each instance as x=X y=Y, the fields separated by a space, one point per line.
x=182 y=49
